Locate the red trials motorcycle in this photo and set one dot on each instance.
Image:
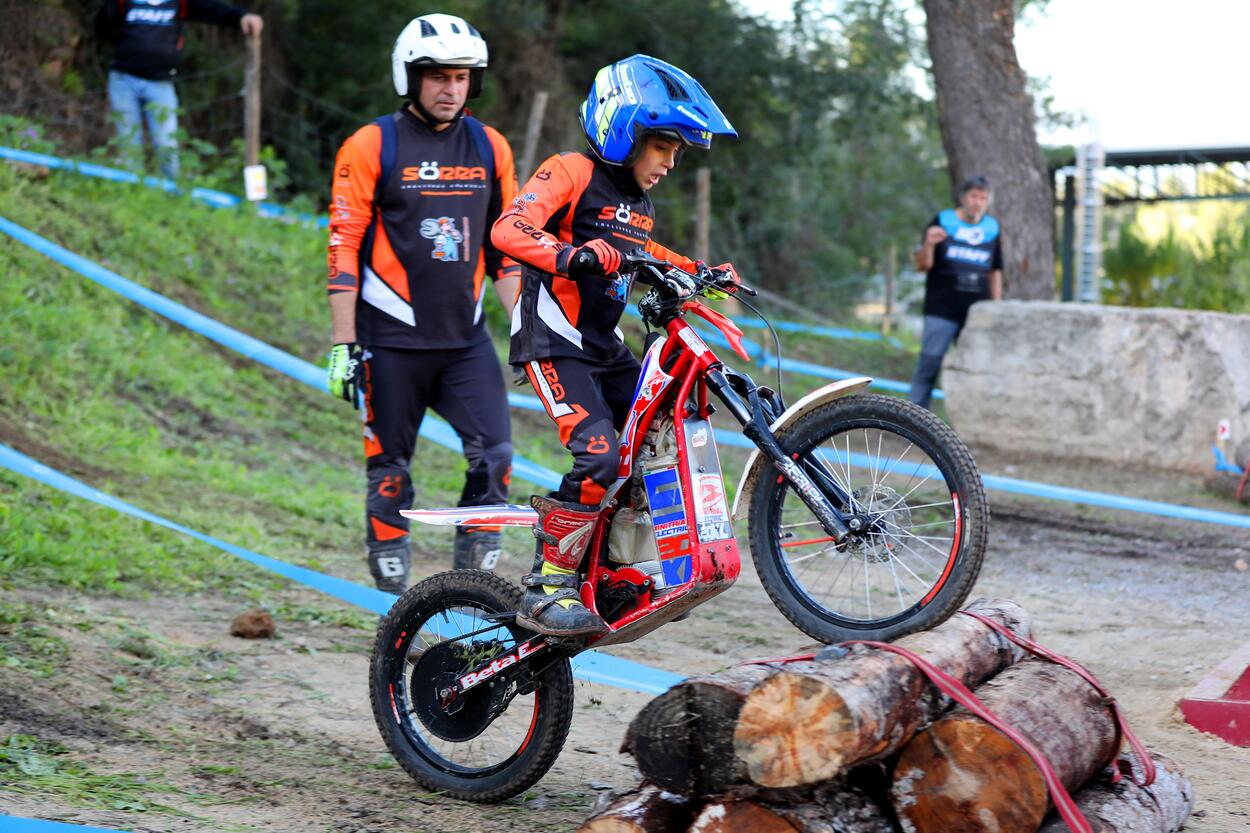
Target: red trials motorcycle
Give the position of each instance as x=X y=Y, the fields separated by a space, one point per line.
x=866 y=520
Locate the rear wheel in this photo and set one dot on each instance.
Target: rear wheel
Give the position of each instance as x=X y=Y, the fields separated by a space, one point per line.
x=498 y=738
x=918 y=497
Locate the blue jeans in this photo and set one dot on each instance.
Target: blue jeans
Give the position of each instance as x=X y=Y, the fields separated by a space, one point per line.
x=939 y=334
x=134 y=100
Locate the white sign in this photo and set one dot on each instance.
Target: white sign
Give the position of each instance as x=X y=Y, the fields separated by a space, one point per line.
x=255 y=182
x=1223 y=431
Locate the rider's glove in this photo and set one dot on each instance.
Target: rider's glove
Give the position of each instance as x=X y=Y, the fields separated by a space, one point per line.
x=346 y=371
x=679 y=283
x=518 y=376
x=598 y=257
x=724 y=278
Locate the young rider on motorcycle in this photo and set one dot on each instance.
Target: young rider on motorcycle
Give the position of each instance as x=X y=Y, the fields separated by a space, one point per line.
x=569 y=226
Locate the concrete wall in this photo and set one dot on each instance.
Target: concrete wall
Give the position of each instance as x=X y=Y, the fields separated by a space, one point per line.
x=1110 y=383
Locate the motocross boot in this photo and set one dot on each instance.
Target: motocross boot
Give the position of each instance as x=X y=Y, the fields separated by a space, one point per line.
x=476 y=548
x=388 y=562
x=551 y=604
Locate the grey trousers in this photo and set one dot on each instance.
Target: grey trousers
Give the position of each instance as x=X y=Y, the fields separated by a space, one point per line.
x=939 y=334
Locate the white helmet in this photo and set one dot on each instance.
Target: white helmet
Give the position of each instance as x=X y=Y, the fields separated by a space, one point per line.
x=437 y=40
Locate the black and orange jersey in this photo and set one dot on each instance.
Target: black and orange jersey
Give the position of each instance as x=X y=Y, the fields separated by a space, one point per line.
x=417 y=246
x=571 y=200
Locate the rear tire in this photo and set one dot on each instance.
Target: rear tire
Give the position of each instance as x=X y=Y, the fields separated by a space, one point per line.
x=924 y=552
x=467 y=754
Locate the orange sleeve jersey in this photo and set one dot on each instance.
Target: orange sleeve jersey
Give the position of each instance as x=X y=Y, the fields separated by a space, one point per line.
x=571 y=200
x=416 y=248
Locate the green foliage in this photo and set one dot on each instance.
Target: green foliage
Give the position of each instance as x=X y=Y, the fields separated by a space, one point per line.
x=1213 y=274
x=24 y=134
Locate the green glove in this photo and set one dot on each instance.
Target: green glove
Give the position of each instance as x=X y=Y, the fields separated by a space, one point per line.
x=346 y=371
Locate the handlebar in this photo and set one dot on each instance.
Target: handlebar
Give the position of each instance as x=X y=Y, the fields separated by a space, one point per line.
x=640 y=262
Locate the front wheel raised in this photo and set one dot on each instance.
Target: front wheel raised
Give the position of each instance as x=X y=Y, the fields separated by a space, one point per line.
x=916 y=492
x=501 y=736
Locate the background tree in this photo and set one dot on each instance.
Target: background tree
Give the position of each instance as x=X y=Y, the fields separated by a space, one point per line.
x=988 y=127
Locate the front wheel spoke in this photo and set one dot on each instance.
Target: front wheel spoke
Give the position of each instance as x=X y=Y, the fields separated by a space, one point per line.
x=867 y=594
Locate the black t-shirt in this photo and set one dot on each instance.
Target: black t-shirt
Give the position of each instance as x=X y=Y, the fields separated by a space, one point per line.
x=148 y=33
x=961 y=265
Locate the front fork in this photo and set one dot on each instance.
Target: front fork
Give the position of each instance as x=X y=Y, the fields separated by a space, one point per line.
x=755 y=426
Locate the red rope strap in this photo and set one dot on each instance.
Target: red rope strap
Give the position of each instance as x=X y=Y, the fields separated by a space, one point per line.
x=958 y=692
x=1126 y=733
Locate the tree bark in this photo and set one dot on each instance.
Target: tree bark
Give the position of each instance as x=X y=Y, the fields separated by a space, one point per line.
x=963 y=774
x=1128 y=808
x=683 y=739
x=647 y=809
x=988 y=127
x=808 y=723
x=834 y=808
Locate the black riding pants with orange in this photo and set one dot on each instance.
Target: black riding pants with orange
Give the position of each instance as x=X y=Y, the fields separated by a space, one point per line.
x=465 y=387
x=589 y=402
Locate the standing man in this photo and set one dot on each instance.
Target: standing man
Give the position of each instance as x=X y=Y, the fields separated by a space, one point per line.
x=962 y=255
x=414 y=196
x=148 y=39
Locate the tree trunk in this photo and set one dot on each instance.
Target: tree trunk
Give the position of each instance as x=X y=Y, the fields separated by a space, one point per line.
x=1128 y=808
x=647 y=809
x=683 y=739
x=835 y=808
x=987 y=122
x=963 y=774
x=808 y=723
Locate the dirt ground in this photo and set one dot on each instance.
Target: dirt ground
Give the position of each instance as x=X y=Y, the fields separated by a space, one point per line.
x=278 y=735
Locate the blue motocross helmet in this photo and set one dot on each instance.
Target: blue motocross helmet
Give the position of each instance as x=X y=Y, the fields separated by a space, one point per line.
x=641 y=95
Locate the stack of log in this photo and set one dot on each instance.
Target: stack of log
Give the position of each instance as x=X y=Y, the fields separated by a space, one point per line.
x=858 y=741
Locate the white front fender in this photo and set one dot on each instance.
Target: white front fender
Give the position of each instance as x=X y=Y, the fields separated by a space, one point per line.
x=818 y=397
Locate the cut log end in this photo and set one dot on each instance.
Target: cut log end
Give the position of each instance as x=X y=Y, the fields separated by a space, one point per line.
x=945 y=774
x=794 y=729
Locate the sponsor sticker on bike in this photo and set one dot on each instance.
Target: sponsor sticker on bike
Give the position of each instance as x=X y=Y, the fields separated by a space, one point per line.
x=710 y=509
x=668 y=510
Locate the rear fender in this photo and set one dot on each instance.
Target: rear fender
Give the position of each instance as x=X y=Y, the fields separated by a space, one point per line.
x=501 y=514
x=757 y=463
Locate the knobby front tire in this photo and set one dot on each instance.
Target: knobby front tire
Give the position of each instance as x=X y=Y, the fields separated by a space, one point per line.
x=915 y=566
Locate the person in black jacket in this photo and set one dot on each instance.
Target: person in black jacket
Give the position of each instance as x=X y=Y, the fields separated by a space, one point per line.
x=148 y=38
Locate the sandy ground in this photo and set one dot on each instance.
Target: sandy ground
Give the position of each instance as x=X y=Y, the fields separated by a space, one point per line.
x=286 y=741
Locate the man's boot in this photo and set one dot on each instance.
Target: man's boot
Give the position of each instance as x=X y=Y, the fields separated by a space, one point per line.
x=475 y=549
x=551 y=604
x=388 y=562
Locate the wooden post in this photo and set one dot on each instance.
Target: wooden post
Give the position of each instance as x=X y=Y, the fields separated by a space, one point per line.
x=891 y=273
x=703 y=212
x=533 y=128
x=251 y=101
